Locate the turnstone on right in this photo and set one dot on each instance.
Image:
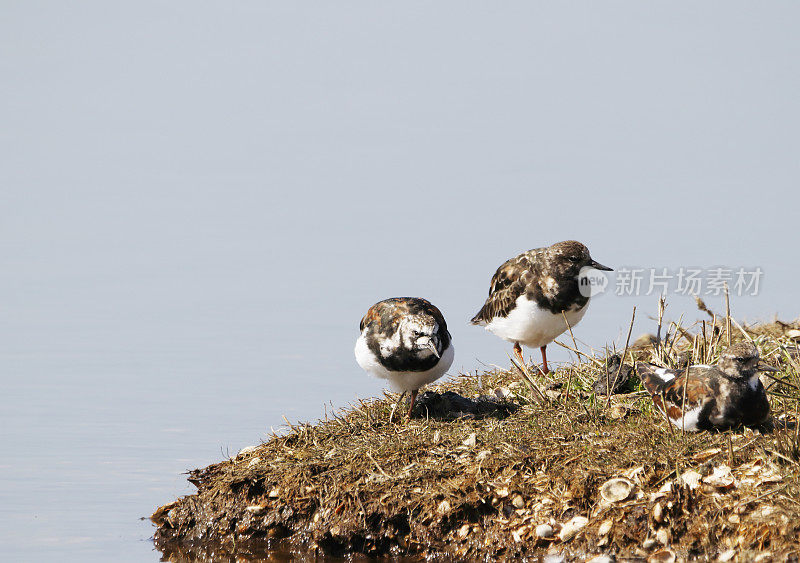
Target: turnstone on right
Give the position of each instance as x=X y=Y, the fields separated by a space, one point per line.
x=530 y=295
x=717 y=397
x=405 y=340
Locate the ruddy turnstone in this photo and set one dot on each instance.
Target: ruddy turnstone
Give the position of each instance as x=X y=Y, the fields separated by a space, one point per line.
x=405 y=340
x=717 y=397
x=532 y=293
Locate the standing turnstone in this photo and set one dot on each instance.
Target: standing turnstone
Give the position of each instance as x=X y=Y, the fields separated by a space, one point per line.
x=530 y=295
x=404 y=340
x=722 y=396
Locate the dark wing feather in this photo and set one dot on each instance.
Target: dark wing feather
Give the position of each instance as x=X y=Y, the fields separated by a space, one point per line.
x=669 y=395
x=508 y=283
x=697 y=393
x=651 y=381
x=507 y=274
x=697 y=390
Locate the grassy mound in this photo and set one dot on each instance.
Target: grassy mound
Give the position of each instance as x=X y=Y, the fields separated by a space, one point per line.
x=523 y=478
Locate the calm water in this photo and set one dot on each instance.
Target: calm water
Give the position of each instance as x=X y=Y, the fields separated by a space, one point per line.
x=109 y=396
x=197 y=205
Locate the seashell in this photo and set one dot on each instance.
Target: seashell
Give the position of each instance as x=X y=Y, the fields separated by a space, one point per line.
x=658 y=513
x=691 y=479
x=616 y=490
x=663 y=536
x=663 y=556
x=570 y=529
x=705 y=455
x=605 y=528
x=720 y=478
x=544 y=531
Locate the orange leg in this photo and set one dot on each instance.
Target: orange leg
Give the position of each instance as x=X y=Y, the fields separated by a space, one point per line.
x=413 y=399
x=518 y=353
x=544 y=359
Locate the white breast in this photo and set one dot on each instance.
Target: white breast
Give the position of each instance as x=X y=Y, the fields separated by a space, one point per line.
x=690 y=420
x=532 y=325
x=402 y=380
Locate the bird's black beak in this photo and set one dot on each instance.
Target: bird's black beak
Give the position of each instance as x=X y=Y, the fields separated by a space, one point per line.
x=598 y=266
x=766 y=367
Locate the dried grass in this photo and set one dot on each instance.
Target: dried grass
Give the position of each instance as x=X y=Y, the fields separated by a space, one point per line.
x=356 y=483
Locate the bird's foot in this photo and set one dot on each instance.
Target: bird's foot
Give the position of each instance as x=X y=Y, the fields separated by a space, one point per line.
x=545 y=369
x=394 y=408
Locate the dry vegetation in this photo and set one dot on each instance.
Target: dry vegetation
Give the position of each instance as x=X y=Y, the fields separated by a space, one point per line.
x=521 y=478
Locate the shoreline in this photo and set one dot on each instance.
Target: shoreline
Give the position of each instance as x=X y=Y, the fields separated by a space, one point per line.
x=508 y=472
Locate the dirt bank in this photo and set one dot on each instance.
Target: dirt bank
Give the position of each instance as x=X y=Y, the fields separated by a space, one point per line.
x=517 y=470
